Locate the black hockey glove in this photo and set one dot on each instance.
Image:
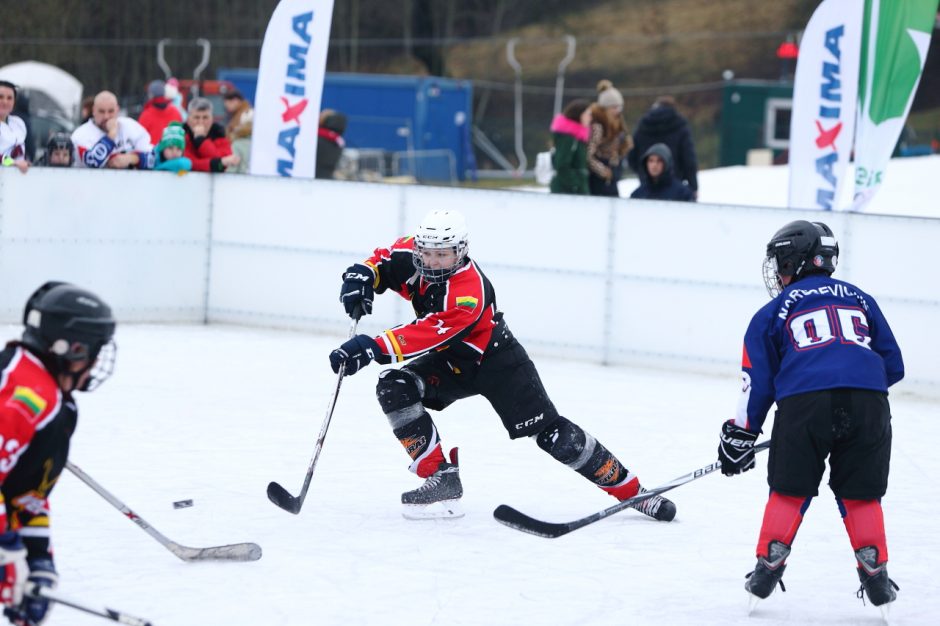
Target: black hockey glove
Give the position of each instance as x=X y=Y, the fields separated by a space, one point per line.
x=33 y=611
x=357 y=292
x=736 y=450
x=356 y=354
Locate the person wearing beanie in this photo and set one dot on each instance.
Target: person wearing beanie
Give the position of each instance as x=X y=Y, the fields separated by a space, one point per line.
x=169 y=152
x=158 y=111
x=609 y=141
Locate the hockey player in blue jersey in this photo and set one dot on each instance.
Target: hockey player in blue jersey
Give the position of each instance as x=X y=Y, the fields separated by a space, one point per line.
x=823 y=351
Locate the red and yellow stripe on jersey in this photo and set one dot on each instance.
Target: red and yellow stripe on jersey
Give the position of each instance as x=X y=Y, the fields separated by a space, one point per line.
x=460 y=317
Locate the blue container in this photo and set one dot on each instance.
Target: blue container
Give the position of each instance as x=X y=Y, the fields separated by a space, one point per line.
x=423 y=122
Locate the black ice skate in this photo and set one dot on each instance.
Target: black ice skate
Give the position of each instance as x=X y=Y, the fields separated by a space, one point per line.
x=657 y=507
x=439 y=496
x=767 y=573
x=880 y=589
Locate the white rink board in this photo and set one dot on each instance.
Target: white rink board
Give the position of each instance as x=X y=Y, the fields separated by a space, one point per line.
x=603 y=279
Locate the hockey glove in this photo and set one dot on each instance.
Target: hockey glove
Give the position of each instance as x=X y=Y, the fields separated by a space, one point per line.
x=33 y=611
x=13 y=568
x=736 y=450
x=355 y=354
x=358 y=290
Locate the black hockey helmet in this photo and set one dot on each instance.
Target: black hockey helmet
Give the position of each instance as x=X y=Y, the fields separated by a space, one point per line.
x=60 y=141
x=66 y=325
x=797 y=250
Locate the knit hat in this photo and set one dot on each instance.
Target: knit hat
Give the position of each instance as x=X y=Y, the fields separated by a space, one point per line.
x=156 y=89
x=173 y=136
x=609 y=97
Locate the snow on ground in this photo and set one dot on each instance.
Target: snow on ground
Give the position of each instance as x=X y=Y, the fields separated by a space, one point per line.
x=214 y=413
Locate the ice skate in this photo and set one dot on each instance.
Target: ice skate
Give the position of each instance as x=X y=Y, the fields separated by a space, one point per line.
x=880 y=590
x=657 y=507
x=767 y=574
x=439 y=496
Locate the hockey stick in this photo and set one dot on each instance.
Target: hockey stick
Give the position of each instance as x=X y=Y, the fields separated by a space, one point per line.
x=520 y=521
x=232 y=552
x=43 y=593
x=276 y=493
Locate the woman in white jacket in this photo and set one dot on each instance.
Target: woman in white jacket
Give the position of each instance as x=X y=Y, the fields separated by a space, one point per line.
x=12 y=130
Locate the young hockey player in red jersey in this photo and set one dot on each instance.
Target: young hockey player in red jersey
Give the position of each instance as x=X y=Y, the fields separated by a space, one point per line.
x=66 y=347
x=460 y=346
x=823 y=351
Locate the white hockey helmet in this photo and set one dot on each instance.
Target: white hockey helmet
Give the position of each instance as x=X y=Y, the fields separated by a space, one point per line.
x=439 y=230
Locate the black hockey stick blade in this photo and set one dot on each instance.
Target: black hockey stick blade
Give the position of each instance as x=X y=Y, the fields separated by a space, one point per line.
x=279 y=496
x=520 y=521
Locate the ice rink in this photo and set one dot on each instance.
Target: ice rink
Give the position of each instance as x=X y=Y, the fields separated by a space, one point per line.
x=213 y=413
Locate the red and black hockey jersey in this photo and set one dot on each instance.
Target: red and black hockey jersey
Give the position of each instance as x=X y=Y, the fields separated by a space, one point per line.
x=36 y=423
x=458 y=315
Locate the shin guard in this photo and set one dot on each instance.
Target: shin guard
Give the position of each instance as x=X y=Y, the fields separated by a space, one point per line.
x=568 y=443
x=782 y=518
x=865 y=523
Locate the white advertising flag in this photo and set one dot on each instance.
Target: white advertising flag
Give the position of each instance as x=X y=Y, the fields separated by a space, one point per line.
x=825 y=88
x=290 y=85
x=897 y=35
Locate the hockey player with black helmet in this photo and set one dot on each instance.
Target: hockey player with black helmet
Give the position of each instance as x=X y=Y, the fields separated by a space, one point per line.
x=460 y=346
x=66 y=347
x=823 y=351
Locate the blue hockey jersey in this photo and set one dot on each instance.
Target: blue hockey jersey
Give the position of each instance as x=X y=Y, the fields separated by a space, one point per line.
x=820 y=333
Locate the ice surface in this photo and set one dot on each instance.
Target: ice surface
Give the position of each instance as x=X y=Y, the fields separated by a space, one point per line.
x=214 y=413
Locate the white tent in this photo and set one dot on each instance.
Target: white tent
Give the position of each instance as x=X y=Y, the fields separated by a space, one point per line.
x=60 y=88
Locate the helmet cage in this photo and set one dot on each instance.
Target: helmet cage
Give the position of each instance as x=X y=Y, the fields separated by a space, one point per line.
x=798 y=249
x=440 y=230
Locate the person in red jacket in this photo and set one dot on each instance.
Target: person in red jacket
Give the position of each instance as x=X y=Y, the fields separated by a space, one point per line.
x=206 y=145
x=158 y=111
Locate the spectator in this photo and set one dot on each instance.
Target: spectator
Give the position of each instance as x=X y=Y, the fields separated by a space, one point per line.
x=60 y=152
x=169 y=151
x=111 y=140
x=570 y=136
x=21 y=110
x=663 y=124
x=658 y=183
x=206 y=145
x=238 y=128
x=330 y=142
x=171 y=90
x=12 y=130
x=609 y=142
x=158 y=111
x=88 y=104
x=236 y=108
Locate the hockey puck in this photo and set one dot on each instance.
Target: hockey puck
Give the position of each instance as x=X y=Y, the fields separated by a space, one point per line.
x=182 y=504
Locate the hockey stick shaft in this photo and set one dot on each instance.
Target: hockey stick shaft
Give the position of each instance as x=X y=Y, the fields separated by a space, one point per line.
x=520 y=521
x=38 y=591
x=232 y=552
x=276 y=493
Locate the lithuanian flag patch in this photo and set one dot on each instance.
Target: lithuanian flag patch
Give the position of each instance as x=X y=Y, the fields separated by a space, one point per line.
x=29 y=400
x=468 y=301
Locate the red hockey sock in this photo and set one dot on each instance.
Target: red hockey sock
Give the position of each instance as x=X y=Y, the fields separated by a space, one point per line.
x=864 y=521
x=627 y=489
x=782 y=518
x=429 y=462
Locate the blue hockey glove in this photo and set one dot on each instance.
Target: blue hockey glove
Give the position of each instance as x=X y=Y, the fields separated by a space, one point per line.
x=355 y=354
x=358 y=291
x=736 y=450
x=34 y=611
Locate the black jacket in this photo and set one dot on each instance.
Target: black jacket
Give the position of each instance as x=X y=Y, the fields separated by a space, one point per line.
x=665 y=186
x=330 y=144
x=664 y=125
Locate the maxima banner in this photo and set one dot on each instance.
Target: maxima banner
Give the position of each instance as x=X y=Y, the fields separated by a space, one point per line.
x=290 y=85
x=824 y=98
x=895 y=40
